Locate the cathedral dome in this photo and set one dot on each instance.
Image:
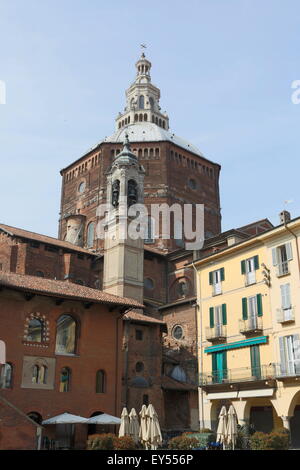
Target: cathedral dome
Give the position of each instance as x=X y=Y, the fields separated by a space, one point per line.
x=150 y=132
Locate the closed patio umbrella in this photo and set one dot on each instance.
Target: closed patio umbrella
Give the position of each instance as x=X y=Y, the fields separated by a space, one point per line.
x=143 y=434
x=124 y=427
x=65 y=418
x=231 y=432
x=222 y=426
x=154 y=437
x=104 y=419
x=134 y=427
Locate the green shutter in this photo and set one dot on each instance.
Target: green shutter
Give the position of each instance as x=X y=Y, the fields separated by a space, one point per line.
x=225 y=364
x=222 y=274
x=256 y=262
x=224 y=314
x=211 y=277
x=245 y=308
x=243 y=266
x=259 y=305
x=211 y=317
x=214 y=362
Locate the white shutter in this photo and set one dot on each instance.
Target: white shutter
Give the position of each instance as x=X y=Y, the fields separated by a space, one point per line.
x=289 y=253
x=282 y=356
x=296 y=345
x=274 y=256
x=285 y=296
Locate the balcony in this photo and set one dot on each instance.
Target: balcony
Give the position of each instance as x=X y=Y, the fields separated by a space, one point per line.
x=217 y=333
x=285 y=315
x=252 y=325
x=283 y=269
x=241 y=375
x=287 y=370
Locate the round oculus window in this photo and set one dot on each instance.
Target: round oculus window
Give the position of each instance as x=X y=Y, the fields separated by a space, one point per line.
x=192 y=183
x=148 y=283
x=177 y=332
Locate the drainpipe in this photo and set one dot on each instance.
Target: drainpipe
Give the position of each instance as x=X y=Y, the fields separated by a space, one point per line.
x=296 y=239
x=200 y=329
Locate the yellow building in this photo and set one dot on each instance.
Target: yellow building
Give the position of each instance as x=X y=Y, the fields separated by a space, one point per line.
x=249 y=330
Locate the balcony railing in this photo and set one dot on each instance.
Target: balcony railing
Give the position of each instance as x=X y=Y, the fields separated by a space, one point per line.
x=287 y=369
x=245 y=374
x=216 y=333
x=285 y=315
x=251 y=325
x=283 y=268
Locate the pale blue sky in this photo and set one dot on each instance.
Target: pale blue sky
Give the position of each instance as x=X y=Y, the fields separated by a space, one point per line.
x=225 y=69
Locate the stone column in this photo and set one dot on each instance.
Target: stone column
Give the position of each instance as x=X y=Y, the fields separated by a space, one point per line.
x=286 y=422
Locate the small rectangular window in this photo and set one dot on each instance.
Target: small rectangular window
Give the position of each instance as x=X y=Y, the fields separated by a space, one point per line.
x=139 y=335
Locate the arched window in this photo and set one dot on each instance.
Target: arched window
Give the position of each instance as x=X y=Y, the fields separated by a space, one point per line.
x=159 y=122
x=39 y=374
x=140 y=117
x=163 y=124
x=65 y=379
x=136 y=117
x=141 y=102
x=35 y=330
x=178 y=374
x=90 y=235
x=65 y=335
x=151 y=101
x=153 y=119
x=145 y=117
x=100 y=381
x=36 y=417
x=182 y=288
x=150 y=231
x=6 y=376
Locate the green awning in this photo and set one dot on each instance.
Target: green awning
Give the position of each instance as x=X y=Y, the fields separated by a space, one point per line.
x=237 y=344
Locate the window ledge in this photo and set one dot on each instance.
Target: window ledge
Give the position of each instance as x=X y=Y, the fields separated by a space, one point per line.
x=66 y=354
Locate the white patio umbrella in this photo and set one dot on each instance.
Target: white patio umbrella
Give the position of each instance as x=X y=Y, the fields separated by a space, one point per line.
x=104 y=419
x=222 y=426
x=143 y=434
x=154 y=437
x=134 y=427
x=231 y=431
x=124 y=427
x=65 y=418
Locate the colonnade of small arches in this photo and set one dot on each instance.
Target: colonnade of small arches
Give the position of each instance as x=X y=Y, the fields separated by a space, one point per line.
x=190 y=163
x=142 y=117
x=82 y=168
x=142 y=153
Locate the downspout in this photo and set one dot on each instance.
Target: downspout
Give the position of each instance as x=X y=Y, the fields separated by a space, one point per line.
x=200 y=329
x=297 y=247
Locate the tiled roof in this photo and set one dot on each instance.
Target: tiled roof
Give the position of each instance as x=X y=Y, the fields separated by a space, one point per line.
x=63 y=289
x=18 y=232
x=170 y=384
x=140 y=317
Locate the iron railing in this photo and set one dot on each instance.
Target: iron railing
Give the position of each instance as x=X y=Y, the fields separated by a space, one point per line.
x=283 y=268
x=285 y=315
x=218 y=332
x=250 y=325
x=287 y=369
x=244 y=374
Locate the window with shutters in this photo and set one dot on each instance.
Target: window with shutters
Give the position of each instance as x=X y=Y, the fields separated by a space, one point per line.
x=215 y=279
x=281 y=255
x=289 y=355
x=217 y=323
x=285 y=313
x=252 y=309
x=248 y=268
